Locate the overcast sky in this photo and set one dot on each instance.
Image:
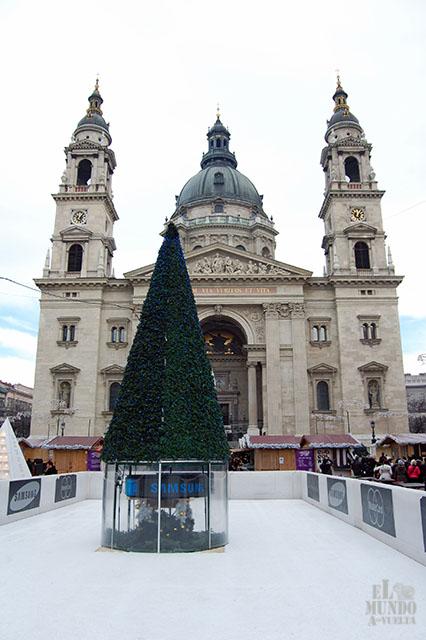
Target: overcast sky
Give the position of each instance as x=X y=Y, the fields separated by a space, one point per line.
x=163 y=66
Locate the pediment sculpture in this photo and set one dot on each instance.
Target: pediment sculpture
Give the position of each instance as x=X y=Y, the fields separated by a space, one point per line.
x=219 y=264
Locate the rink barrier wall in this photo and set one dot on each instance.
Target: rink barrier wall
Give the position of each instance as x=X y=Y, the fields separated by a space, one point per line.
x=393 y=515
x=38 y=494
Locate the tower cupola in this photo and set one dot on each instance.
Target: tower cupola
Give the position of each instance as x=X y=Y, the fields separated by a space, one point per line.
x=218 y=152
x=93 y=121
x=342 y=117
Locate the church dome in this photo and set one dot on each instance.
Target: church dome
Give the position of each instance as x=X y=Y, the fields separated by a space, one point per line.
x=219 y=177
x=93 y=120
x=219 y=181
x=341 y=114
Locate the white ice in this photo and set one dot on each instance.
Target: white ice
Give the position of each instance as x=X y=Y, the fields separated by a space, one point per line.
x=290 y=571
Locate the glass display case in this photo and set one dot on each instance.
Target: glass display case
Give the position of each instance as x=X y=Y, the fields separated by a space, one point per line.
x=168 y=506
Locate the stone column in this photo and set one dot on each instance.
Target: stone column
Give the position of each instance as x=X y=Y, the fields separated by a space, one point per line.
x=273 y=374
x=264 y=398
x=300 y=365
x=252 y=399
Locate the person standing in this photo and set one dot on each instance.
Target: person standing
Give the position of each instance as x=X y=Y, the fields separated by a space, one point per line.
x=413 y=472
x=51 y=470
x=385 y=472
x=326 y=466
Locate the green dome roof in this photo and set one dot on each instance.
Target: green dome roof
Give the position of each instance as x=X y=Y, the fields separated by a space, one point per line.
x=219 y=181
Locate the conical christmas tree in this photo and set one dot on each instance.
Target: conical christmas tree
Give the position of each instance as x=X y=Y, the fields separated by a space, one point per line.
x=167 y=408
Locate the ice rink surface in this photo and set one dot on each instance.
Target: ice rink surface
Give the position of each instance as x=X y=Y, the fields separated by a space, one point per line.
x=290 y=571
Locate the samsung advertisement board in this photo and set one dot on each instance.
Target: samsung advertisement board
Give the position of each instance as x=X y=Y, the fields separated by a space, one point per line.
x=337 y=494
x=23 y=495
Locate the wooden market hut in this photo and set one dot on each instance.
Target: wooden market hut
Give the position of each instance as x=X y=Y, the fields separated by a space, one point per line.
x=75 y=453
x=408 y=445
x=32 y=448
x=274 y=453
x=339 y=447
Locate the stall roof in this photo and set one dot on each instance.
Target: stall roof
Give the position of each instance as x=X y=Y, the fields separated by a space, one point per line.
x=34 y=443
x=273 y=442
x=329 y=441
x=73 y=442
x=403 y=439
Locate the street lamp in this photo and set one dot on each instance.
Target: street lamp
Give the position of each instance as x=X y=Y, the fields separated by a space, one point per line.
x=373 y=433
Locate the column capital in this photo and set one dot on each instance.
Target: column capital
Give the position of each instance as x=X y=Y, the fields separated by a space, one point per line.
x=251 y=364
x=276 y=309
x=297 y=309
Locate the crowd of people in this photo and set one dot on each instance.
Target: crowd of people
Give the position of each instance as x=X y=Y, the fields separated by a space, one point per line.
x=400 y=470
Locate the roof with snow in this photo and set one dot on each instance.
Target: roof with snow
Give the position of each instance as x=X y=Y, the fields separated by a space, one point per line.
x=334 y=441
x=74 y=442
x=403 y=439
x=329 y=441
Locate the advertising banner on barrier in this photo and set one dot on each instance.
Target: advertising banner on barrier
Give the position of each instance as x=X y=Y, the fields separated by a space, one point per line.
x=305 y=460
x=312 y=483
x=423 y=515
x=337 y=494
x=377 y=508
x=66 y=487
x=23 y=495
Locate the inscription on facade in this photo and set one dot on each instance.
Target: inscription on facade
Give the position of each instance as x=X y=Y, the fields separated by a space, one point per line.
x=244 y=291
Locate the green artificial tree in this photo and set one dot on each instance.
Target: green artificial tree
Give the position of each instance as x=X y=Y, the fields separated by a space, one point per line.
x=167 y=407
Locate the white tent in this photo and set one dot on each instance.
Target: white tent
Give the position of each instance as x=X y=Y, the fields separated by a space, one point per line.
x=12 y=461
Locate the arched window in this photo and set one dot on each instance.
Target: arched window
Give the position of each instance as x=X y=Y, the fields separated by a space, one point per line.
x=64 y=332
x=114 y=390
x=197 y=246
x=218 y=208
x=75 y=257
x=71 y=333
x=352 y=169
x=362 y=255
x=65 y=395
x=218 y=178
x=240 y=247
x=212 y=143
x=323 y=396
x=314 y=334
x=365 y=333
x=266 y=253
x=84 y=172
x=373 y=331
x=224 y=143
x=121 y=335
x=323 y=333
x=114 y=334
x=218 y=143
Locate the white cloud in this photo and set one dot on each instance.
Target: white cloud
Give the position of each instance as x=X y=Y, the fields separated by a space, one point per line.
x=411 y=363
x=23 y=344
x=14 y=369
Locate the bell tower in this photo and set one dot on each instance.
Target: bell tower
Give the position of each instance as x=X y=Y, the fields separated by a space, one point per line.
x=82 y=241
x=354 y=240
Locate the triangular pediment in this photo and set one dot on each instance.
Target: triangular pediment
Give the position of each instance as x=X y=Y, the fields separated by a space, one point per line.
x=222 y=260
x=76 y=232
x=64 y=368
x=322 y=368
x=373 y=367
x=112 y=369
x=360 y=229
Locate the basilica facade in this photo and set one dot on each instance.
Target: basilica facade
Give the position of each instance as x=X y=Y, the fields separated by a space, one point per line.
x=292 y=353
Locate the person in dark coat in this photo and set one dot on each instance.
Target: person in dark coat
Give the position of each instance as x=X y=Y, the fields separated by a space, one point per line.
x=326 y=466
x=51 y=470
x=357 y=467
x=368 y=466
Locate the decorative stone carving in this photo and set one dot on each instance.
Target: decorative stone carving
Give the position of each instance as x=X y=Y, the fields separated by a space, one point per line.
x=218 y=309
x=277 y=309
x=297 y=309
x=219 y=264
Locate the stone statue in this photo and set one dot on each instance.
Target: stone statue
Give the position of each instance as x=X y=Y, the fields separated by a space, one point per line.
x=373 y=394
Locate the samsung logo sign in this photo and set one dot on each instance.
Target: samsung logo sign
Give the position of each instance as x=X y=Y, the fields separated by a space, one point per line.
x=23 y=495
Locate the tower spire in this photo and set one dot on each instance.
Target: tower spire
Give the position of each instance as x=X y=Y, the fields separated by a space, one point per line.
x=218 y=151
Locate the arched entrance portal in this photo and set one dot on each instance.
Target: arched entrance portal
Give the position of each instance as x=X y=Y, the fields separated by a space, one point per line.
x=224 y=341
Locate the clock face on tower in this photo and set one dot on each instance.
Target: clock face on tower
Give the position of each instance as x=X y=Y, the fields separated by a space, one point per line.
x=79 y=217
x=357 y=214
